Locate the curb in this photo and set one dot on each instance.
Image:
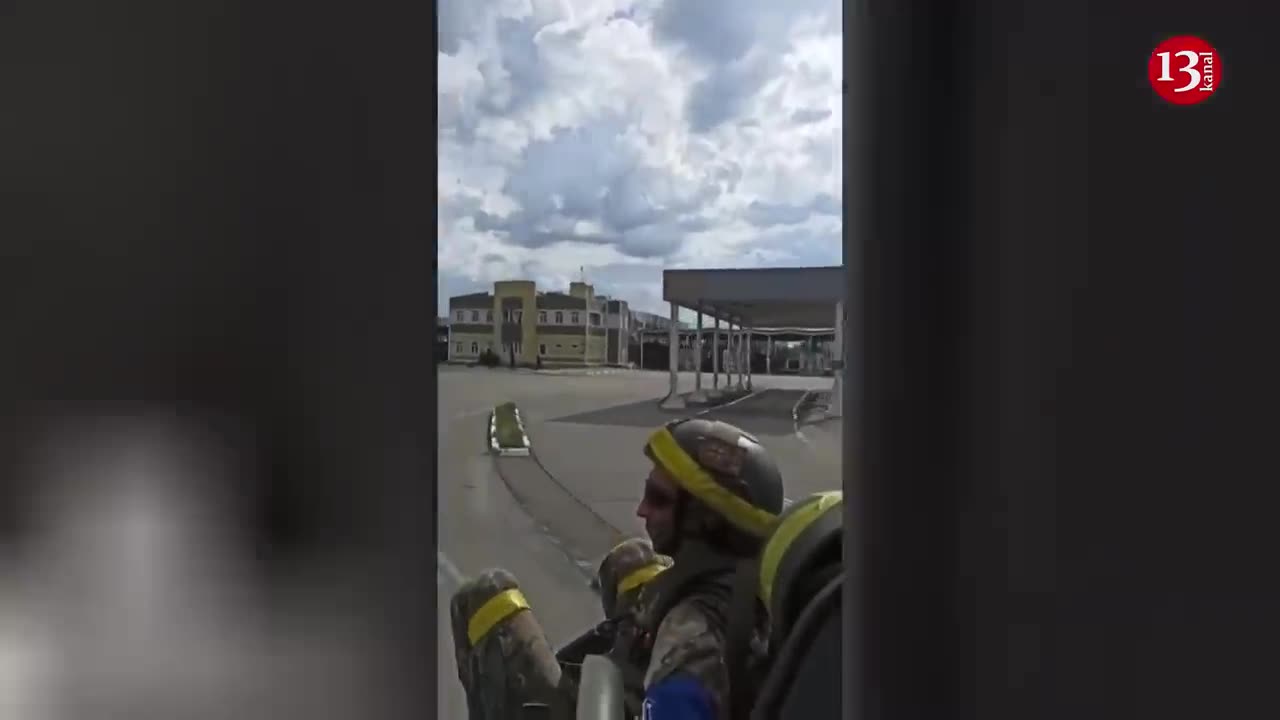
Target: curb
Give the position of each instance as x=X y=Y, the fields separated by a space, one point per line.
x=581 y=372
x=493 y=437
x=721 y=406
x=795 y=417
x=662 y=403
x=582 y=565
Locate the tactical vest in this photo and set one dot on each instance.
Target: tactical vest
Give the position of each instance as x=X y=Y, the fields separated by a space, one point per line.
x=701 y=576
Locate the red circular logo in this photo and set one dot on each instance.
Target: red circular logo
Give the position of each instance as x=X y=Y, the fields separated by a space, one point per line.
x=1184 y=70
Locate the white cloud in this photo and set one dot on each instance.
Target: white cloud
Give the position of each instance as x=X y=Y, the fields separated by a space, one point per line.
x=625 y=136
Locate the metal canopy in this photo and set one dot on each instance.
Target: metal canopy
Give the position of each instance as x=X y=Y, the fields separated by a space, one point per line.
x=764 y=297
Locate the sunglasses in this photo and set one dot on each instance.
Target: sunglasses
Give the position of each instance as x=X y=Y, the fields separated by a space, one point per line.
x=657 y=496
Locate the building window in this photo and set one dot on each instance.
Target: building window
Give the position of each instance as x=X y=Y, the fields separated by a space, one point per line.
x=475 y=349
x=459 y=350
x=573 y=318
x=542 y=349
x=559 y=318
x=542 y=317
x=475 y=316
x=516 y=347
x=518 y=315
x=488 y=316
x=595 y=318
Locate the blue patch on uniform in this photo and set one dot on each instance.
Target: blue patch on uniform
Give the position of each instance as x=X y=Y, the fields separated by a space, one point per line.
x=679 y=697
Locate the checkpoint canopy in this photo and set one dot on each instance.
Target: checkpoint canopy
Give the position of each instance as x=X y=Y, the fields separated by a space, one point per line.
x=759 y=299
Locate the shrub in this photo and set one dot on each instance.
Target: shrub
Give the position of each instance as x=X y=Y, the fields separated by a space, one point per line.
x=489 y=358
x=506 y=428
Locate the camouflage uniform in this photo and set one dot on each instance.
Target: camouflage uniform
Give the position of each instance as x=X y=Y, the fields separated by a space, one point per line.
x=702 y=619
x=690 y=635
x=681 y=624
x=507 y=664
x=689 y=641
x=513 y=664
x=624 y=572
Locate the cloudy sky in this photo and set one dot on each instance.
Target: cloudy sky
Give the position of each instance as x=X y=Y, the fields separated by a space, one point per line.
x=625 y=136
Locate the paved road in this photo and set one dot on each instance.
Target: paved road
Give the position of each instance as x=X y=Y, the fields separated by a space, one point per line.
x=582 y=490
x=481 y=526
x=596 y=452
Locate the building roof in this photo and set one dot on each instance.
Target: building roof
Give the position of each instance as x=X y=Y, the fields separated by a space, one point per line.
x=560 y=301
x=472 y=301
x=760 y=297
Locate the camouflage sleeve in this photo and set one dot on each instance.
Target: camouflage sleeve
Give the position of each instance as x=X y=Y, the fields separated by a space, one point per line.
x=687 y=644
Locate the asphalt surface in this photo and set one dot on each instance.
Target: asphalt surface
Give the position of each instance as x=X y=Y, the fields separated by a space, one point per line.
x=549 y=518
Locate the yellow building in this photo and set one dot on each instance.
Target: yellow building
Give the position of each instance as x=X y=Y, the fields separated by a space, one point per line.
x=563 y=329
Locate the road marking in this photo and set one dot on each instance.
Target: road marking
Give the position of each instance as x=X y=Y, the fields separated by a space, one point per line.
x=445 y=564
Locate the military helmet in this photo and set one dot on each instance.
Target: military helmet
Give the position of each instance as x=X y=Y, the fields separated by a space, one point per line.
x=802 y=554
x=503 y=657
x=725 y=468
x=629 y=566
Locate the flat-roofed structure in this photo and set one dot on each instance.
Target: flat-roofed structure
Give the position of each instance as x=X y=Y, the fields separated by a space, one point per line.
x=757 y=300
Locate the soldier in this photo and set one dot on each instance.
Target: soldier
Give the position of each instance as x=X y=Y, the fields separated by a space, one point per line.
x=800 y=580
x=504 y=660
x=800 y=558
x=711 y=498
x=624 y=571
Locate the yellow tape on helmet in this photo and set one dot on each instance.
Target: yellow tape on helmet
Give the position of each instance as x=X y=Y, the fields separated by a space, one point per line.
x=640 y=577
x=786 y=533
x=698 y=482
x=493 y=611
